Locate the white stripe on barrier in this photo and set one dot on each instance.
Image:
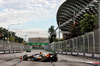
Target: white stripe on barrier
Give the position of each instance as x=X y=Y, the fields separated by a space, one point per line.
x=64 y=52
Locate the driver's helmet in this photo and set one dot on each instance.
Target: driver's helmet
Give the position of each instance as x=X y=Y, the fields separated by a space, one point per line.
x=41 y=52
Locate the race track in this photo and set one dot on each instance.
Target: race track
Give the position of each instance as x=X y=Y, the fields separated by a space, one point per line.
x=63 y=60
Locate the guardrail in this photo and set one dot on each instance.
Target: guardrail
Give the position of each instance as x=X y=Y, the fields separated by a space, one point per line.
x=86 y=46
x=87 y=55
x=12 y=47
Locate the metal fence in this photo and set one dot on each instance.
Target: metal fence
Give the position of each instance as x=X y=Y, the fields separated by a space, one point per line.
x=86 y=46
x=12 y=47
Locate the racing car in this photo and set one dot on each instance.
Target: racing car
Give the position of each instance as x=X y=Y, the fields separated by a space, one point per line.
x=42 y=57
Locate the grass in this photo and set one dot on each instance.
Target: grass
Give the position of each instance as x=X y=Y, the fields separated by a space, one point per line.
x=27 y=49
x=50 y=51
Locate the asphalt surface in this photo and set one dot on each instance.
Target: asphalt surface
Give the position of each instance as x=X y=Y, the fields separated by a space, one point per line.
x=63 y=60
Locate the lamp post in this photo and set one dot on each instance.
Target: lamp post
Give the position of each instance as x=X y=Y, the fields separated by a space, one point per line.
x=99 y=24
x=59 y=31
x=73 y=46
x=25 y=37
x=8 y=30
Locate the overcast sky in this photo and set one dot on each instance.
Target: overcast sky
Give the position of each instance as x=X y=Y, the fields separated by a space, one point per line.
x=34 y=16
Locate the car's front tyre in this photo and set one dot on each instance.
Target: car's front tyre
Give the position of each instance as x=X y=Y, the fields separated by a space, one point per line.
x=25 y=57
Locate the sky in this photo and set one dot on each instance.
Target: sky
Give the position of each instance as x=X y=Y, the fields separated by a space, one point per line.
x=31 y=17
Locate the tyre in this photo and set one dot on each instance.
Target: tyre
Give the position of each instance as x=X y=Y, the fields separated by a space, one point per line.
x=32 y=59
x=44 y=59
x=25 y=57
x=54 y=59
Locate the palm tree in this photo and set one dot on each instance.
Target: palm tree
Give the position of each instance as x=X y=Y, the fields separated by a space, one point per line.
x=52 y=34
x=51 y=30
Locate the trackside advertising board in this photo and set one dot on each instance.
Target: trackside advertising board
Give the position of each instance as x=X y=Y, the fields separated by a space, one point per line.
x=36 y=44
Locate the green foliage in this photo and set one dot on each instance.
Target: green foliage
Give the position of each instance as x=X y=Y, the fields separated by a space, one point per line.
x=51 y=30
x=3 y=33
x=96 y=22
x=52 y=36
x=87 y=23
x=86 y=48
x=76 y=30
x=61 y=39
x=68 y=49
x=27 y=49
x=50 y=51
x=12 y=36
x=56 y=40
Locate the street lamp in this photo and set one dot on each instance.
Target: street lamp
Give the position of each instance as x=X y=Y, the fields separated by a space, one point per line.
x=8 y=30
x=59 y=31
x=99 y=24
x=25 y=37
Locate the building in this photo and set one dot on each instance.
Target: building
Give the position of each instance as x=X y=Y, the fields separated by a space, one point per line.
x=38 y=42
x=72 y=11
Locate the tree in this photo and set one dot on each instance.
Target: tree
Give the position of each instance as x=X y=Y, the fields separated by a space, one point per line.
x=3 y=33
x=96 y=22
x=52 y=34
x=18 y=39
x=76 y=30
x=12 y=39
x=12 y=36
x=87 y=23
x=68 y=36
x=51 y=30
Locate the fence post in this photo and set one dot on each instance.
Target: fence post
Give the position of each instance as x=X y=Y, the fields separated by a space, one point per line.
x=66 y=46
x=83 y=43
x=59 y=46
x=93 y=42
x=73 y=45
x=88 y=41
x=99 y=26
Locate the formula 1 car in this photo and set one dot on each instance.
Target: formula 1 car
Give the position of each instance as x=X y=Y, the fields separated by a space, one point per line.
x=41 y=57
x=28 y=51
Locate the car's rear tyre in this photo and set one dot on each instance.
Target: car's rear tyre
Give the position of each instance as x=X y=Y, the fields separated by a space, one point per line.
x=32 y=59
x=54 y=59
